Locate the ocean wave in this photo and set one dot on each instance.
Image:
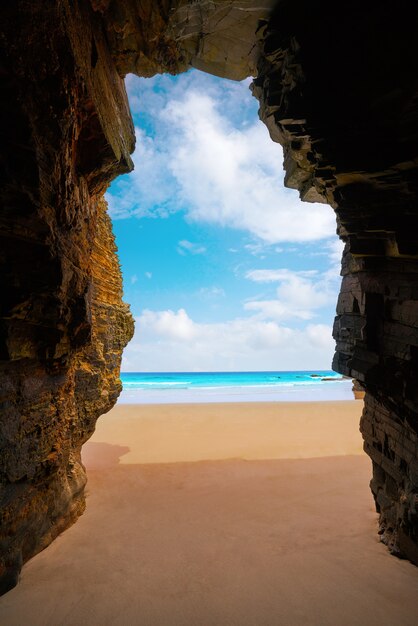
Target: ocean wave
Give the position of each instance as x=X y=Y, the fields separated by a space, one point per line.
x=217 y=385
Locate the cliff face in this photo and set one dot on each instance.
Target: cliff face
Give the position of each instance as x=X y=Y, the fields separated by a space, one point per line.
x=66 y=132
x=146 y=38
x=339 y=95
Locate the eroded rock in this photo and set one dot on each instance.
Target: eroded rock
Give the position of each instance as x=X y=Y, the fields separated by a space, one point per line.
x=340 y=95
x=174 y=35
x=67 y=132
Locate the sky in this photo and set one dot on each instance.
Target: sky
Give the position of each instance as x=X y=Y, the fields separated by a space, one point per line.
x=224 y=268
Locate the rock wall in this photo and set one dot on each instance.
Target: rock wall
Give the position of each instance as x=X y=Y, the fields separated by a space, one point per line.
x=148 y=37
x=66 y=131
x=340 y=95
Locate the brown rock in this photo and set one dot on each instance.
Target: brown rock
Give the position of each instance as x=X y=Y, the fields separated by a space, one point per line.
x=67 y=132
x=358 y=390
x=171 y=36
x=340 y=95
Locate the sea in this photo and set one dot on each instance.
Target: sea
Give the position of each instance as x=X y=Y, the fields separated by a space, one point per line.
x=185 y=387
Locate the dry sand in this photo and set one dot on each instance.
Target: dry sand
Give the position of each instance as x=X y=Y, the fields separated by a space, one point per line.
x=279 y=542
x=253 y=431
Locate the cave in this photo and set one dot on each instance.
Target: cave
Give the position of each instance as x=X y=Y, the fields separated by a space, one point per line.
x=341 y=96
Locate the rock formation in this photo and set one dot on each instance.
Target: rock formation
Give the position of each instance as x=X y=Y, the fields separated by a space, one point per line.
x=66 y=132
x=339 y=95
x=342 y=96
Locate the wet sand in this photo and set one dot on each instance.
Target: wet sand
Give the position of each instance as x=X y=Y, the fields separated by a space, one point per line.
x=247 y=540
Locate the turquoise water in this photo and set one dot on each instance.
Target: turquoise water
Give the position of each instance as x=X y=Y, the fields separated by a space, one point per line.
x=167 y=387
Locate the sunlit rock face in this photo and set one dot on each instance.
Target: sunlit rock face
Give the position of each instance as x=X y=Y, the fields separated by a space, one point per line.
x=148 y=37
x=66 y=131
x=339 y=94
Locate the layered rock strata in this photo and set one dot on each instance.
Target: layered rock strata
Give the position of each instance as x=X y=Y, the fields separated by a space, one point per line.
x=66 y=132
x=172 y=36
x=340 y=95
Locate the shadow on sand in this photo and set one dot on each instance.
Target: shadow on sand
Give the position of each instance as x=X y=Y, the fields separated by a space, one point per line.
x=97 y=455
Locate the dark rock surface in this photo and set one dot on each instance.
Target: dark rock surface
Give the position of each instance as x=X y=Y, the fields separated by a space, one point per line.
x=66 y=131
x=341 y=96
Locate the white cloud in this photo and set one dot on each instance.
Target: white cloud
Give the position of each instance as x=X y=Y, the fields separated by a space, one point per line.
x=172 y=341
x=232 y=177
x=300 y=294
x=148 y=190
x=148 y=275
x=319 y=335
x=168 y=324
x=269 y=276
x=335 y=249
x=134 y=279
x=275 y=309
x=185 y=246
x=213 y=168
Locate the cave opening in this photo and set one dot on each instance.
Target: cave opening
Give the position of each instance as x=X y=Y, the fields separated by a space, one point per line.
x=339 y=95
x=219 y=275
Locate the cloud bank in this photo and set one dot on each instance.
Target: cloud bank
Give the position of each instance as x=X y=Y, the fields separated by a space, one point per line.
x=200 y=153
x=173 y=338
x=206 y=159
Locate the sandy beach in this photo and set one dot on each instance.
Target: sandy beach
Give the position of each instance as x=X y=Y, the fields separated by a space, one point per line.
x=235 y=514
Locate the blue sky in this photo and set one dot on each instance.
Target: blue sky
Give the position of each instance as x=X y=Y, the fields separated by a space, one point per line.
x=223 y=267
